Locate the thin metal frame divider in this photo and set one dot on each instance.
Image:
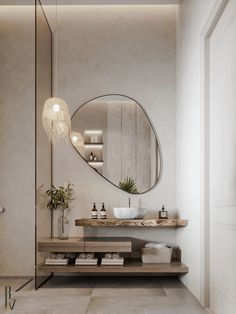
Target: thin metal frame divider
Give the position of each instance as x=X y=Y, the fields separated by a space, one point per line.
x=38 y=4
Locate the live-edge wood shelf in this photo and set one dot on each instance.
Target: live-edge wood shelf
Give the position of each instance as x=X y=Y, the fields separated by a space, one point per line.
x=113 y=222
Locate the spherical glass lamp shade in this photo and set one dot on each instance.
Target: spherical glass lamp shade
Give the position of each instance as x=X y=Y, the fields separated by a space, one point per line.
x=56 y=120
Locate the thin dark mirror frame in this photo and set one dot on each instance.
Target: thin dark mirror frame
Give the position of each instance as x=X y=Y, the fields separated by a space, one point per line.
x=159 y=150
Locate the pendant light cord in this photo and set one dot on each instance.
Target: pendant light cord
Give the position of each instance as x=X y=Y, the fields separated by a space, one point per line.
x=56 y=53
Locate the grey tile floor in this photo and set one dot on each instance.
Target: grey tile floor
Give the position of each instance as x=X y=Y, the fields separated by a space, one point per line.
x=104 y=295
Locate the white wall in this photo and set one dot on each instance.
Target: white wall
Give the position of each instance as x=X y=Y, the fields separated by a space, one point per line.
x=191 y=19
x=118 y=49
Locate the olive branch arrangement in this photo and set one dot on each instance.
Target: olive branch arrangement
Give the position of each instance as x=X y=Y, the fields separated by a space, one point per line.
x=60 y=196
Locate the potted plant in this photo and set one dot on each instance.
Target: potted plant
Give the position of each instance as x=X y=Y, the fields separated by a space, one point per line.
x=60 y=198
x=128 y=185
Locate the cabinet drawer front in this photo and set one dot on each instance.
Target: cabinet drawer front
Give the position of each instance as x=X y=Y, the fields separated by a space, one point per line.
x=55 y=245
x=108 y=246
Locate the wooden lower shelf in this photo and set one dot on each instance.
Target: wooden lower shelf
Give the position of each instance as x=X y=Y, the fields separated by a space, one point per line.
x=131 y=266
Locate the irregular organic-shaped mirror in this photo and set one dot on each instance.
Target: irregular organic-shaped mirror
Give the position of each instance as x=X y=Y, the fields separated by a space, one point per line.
x=115 y=137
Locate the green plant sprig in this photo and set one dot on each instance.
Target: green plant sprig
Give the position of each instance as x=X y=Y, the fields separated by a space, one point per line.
x=60 y=197
x=128 y=185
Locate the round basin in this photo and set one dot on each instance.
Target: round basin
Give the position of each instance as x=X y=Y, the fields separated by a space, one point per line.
x=129 y=212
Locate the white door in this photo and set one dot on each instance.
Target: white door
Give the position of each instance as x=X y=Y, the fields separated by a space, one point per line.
x=223 y=163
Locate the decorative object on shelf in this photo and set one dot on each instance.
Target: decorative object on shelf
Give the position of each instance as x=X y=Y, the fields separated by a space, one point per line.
x=59 y=199
x=86 y=259
x=91 y=156
x=163 y=214
x=128 y=185
x=57 y=259
x=94 y=138
x=63 y=226
x=77 y=139
x=103 y=212
x=155 y=253
x=155 y=245
x=95 y=158
x=94 y=212
x=56 y=120
x=112 y=259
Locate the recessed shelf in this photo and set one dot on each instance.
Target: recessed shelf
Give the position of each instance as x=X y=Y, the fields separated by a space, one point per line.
x=113 y=222
x=93 y=144
x=95 y=163
x=93 y=131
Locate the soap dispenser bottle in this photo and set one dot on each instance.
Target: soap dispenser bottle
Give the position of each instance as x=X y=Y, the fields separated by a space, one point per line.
x=91 y=156
x=103 y=212
x=163 y=214
x=94 y=212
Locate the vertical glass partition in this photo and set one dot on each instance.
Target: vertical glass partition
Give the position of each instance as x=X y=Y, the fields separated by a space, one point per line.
x=43 y=88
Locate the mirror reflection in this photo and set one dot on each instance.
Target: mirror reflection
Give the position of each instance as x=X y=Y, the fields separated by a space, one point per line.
x=115 y=137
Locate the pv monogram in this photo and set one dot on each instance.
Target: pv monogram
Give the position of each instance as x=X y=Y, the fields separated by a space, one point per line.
x=8 y=303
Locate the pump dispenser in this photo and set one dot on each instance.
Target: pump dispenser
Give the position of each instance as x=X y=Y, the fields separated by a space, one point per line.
x=163 y=213
x=94 y=212
x=103 y=212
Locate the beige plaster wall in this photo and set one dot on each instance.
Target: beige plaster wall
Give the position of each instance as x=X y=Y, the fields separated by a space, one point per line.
x=118 y=49
x=17 y=140
x=17 y=135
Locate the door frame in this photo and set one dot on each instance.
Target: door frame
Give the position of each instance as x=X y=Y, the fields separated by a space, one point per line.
x=211 y=23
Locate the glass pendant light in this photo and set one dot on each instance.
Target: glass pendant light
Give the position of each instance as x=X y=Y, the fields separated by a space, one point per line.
x=55 y=117
x=56 y=120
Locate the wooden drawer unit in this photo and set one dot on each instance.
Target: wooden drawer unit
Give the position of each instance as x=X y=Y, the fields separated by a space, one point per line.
x=60 y=246
x=85 y=245
x=108 y=245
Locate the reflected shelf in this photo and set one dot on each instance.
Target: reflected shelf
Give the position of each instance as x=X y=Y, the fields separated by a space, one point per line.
x=95 y=163
x=93 y=145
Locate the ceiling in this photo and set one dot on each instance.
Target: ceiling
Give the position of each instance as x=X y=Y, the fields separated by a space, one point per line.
x=90 y=2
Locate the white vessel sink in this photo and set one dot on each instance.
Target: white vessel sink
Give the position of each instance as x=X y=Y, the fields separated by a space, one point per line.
x=129 y=212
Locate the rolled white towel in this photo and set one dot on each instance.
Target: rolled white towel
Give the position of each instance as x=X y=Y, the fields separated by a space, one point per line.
x=115 y=256
x=82 y=256
x=89 y=255
x=53 y=256
x=155 y=245
x=108 y=255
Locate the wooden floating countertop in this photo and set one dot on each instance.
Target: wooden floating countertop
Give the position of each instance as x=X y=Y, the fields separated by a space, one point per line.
x=113 y=222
